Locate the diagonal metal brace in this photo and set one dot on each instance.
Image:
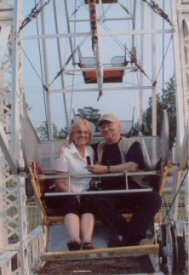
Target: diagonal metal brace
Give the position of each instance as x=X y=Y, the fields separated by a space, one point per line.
x=5 y=148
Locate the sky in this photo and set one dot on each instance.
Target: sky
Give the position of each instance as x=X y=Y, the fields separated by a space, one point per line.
x=121 y=102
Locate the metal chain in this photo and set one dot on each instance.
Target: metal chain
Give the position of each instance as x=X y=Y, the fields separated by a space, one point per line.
x=158 y=10
x=33 y=14
x=175 y=196
x=124 y=8
x=63 y=68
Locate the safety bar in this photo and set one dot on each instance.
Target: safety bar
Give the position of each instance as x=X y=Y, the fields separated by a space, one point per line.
x=120 y=191
x=93 y=192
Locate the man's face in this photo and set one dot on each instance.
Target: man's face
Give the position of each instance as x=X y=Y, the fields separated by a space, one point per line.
x=110 y=131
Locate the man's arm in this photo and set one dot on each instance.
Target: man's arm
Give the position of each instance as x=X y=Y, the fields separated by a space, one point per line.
x=103 y=169
x=134 y=161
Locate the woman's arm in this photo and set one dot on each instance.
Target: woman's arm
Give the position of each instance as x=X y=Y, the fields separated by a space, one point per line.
x=62 y=184
x=103 y=169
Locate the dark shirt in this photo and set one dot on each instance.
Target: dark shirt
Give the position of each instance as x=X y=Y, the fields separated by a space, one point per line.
x=112 y=156
x=135 y=154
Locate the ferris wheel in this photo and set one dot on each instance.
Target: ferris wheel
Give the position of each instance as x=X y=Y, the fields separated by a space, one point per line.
x=60 y=56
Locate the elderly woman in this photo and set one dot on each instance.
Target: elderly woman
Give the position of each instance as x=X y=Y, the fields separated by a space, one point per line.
x=77 y=210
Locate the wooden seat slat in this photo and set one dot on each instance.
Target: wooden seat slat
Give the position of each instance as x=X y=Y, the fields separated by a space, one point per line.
x=129 y=251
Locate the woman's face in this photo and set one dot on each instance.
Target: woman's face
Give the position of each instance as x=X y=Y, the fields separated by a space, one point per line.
x=81 y=136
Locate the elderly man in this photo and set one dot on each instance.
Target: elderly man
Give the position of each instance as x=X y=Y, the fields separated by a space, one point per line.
x=118 y=154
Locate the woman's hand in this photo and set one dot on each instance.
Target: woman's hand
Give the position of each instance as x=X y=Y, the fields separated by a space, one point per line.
x=62 y=184
x=98 y=169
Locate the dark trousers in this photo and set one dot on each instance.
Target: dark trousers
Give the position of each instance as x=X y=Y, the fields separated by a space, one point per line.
x=144 y=207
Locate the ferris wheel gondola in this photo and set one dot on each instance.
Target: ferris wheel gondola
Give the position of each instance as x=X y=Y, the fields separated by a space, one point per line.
x=86 y=53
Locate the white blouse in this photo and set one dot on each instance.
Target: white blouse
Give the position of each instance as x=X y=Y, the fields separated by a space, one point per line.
x=72 y=162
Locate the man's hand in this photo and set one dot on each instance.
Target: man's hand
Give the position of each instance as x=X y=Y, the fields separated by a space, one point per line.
x=98 y=169
x=103 y=169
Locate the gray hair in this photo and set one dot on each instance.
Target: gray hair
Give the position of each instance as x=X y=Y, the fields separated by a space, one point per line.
x=77 y=125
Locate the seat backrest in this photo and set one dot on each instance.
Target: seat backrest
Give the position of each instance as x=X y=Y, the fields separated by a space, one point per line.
x=47 y=153
x=50 y=206
x=38 y=185
x=37 y=170
x=184 y=150
x=29 y=142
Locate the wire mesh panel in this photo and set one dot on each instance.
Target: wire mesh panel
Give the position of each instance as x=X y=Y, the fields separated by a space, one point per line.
x=48 y=151
x=33 y=214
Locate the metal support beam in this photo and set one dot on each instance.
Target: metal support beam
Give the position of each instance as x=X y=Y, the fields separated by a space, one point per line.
x=6 y=151
x=46 y=78
x=178 y=38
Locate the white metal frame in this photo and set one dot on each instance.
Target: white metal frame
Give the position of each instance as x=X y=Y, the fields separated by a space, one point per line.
x=13 y=215
x=12 y=183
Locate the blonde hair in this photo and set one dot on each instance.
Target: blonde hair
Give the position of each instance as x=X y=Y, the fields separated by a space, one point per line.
x=77 y=125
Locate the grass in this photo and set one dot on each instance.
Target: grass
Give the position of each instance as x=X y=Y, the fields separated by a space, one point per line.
x=168 y=205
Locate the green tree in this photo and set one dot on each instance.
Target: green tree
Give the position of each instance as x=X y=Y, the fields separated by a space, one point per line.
x=42 y=131
x=89 y=113
x=165 y=100
x=147 y=117
x=168 y=102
